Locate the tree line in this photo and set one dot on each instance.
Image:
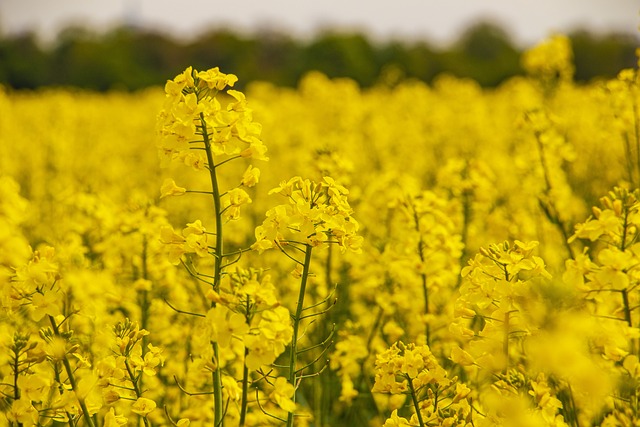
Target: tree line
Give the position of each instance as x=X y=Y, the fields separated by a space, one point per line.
x=129 y=59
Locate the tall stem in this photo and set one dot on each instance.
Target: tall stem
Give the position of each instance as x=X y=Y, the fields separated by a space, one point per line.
x=425 y=289
x=293 y=354
x=245 y=391
x=16 y=374
x=217 y=206
x=72 y=379
x=322 y=388
x=144 y=302
x=625 y=292
x=464 y=232
x=549 y=206
x=627 y=316
x=136 y=387
x=505 y=343
x=416 y=404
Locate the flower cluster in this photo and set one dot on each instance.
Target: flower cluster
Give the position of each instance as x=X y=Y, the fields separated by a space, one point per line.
x=494 y=303
x=120 y=376
x=192 y=240
x=415 y=371
x=192 y=110
x=316 y=214
x=349 y=353
x=247 y=309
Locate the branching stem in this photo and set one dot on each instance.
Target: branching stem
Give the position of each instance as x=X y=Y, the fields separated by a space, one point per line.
x=293 y=352
x=217 y=377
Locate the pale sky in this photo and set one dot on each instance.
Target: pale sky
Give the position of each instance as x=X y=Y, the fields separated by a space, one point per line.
x=440 y=21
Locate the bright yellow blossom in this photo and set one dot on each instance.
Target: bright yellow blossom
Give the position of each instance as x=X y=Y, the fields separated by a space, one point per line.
x=282 y=394
x=169 y=188
x=143 y=406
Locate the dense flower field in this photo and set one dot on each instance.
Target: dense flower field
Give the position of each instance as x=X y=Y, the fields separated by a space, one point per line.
x=405 y=255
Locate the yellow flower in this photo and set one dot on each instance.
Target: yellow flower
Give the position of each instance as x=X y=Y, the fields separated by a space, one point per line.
x=169 y=188
x=607 y=223
x=23 y=412
x=395 y=421
x=152 y=360
x=250 y=177
x=231 y=388
x=224 y=324
x=462 y=391
x=347 y=390
x=113 y=420
x=256 y=150
x=260 y=352
x=143 y=406
x=184 y=79
x=214 y=79
x=551 y=58
x=461 y=357
x=317 y=213
x=198 y=244
x=412 y=363
x=45 y=304
x=282 y=393
x=34 y=387
x=236 y=198
x=110 y=396
x=195 y=227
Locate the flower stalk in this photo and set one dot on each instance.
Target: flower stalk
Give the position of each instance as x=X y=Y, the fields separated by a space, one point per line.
x=217 y=268
x=293 y=352
x=72 y=380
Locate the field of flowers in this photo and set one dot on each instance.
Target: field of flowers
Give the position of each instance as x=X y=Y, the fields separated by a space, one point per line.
x=405 y=255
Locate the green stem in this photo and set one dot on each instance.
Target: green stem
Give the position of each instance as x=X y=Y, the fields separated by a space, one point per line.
x=425 y=290
x=16 y=371
x=144 y=301
x=245 y=391
x=628 y=157
x=136 y=387
x=636 y=129
x=464 y=232
x=322 y=387
x=625 y=226
x=505 y=344
x=550 y=210
x=574 y=411
x=72 y=379
x=293 y=352
x=56 y=377
x=625 y=293
x=627 y=317
x=217 y=206
x=416 y=404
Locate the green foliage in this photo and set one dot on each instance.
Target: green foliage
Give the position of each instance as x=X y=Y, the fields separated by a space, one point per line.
x=130 y=59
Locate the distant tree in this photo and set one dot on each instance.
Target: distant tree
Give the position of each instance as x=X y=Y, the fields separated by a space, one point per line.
x=278 y=59
x=130 y=58
x=416 y=60
x=343 y=55
x=81 y=58
x=485 y=53
x=220 y=48
x=23 y=64
x=602 y=56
